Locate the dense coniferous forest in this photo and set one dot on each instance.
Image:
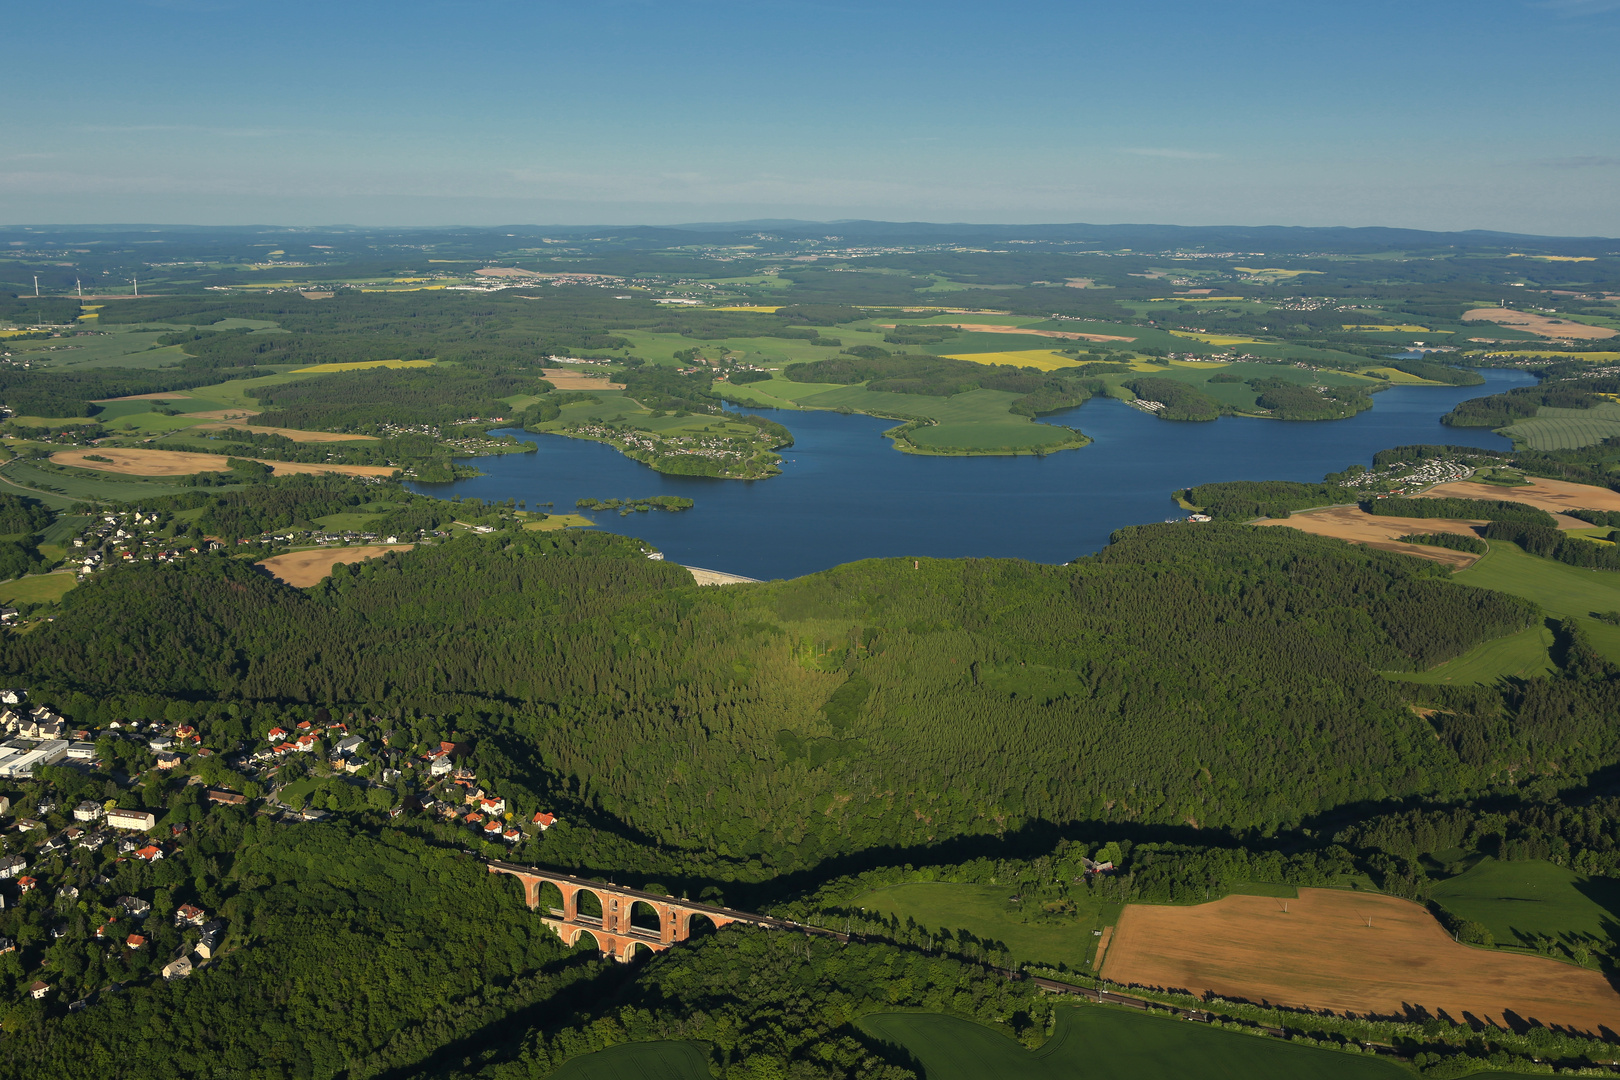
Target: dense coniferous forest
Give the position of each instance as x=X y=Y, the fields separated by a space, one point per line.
x=901 y=705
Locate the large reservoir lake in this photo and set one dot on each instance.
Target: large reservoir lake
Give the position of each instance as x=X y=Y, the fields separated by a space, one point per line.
x=845 y=493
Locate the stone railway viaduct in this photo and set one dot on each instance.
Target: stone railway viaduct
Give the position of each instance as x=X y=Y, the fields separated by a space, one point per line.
x=615 y=935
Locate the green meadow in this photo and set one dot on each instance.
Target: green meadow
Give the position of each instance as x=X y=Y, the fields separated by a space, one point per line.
x=1561 y=590
x=37 y=589
x=986 y=912
x=665 y=1060
x=1522 y=901
x=1518 y=656
x=1103 y=1043
x=1565 y=429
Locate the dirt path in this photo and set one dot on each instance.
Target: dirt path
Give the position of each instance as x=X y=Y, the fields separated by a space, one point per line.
x=301 y=569
x=1348 y=952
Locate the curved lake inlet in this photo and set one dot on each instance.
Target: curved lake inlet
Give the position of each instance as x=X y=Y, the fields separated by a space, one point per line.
x=845 y=493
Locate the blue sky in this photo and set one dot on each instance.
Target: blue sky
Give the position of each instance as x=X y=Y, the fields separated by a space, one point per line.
x=1496 y=114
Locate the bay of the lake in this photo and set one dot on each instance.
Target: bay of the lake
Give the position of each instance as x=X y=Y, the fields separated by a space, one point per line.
x=845 y=493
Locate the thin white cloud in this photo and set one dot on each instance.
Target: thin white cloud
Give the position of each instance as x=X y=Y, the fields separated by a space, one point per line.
x=1164 y=152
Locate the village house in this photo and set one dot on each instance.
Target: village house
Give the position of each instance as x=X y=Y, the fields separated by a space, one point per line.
x=12 y=865
x=177 y=969
x=135 y=906
x=228 y=798
x=276 y=735
x=168 y=761
x=39 y=989
x=149 y=853
x=88 y=811
x=494 y=805
x=135 y=941
x=190 y=915
x=544 y=820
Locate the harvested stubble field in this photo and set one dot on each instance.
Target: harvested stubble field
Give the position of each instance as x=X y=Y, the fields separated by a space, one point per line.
x=1554 y=496
x=1348 y=952
x=564 y=379
x=1541 y=325
x=139 y=462
x=301 y=569
x=1359 y=527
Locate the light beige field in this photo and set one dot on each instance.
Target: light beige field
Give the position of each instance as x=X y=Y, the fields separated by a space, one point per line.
x=505 y=272
x=1541 y=325
x=171 y=396
x=292 y=433
x=1553 y=496
x=223 y=414
x=983 y=328
x=142 y=462
x=1355 y=525
x=564 y=379
x=1348 y=953
x=301 y=569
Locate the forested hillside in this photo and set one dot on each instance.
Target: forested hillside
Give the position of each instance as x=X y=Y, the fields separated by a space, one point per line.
x=1212 y=675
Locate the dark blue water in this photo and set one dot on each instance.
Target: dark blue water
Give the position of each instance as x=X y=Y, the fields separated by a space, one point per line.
x=846 y=494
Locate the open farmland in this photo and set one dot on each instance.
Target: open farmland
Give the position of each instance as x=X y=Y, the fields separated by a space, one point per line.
x=1044 y=359
x=1347 y=952
x=1565 y=429
x=1359 y=527
x=1100 y=1043
x=663 y=1060
x=568 y=379
x=1562 y=590
x=301 y=569
x=1523 y=655
x=1553 y=496
x=141 y=462
x=1541 y=325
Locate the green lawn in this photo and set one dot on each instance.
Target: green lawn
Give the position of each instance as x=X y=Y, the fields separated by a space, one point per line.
x=640 y=1061
x=1519 y=901
x=984 y=911
x=1560 y=589
x=1520 y=656
x=1103 y=1043
x=38 y=589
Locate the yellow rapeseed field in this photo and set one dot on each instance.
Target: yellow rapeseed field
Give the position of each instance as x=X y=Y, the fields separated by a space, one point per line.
x=1044 y=359
x=1217 y=339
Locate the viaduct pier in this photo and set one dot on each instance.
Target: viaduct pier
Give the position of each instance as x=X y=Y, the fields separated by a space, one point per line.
x=614 y=933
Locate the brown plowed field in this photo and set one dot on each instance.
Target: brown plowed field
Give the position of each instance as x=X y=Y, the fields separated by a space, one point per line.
x=1320 y=953
x=290 y=433
x=563 y=379
x=1543 y=325
x=1359 y=527
x=180 y=463
x=301 y=569
x=1553 y=496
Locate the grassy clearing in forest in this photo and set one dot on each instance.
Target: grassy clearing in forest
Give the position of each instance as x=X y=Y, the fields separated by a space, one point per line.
x=1565 y=429
x=1561 y=590
x=986 y=912
x=664 y=1060
x=1518 y=656
x=1522 y=900
x=1103 y=1043
x=38 y=589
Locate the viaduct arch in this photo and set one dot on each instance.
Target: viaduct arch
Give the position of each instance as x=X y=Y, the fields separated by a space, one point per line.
x=615 y=935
